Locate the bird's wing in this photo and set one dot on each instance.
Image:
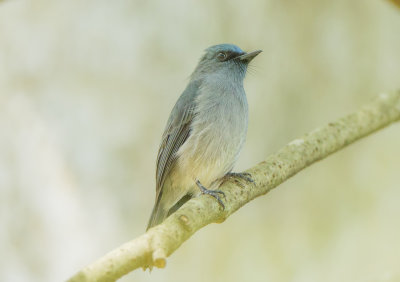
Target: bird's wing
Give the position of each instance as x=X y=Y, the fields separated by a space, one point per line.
x=176 y=133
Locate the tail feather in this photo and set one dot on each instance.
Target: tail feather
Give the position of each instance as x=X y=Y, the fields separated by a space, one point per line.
x=161 y=212
x=157 y=215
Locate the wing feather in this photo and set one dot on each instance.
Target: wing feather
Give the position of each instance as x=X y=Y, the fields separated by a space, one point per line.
x=176 y=133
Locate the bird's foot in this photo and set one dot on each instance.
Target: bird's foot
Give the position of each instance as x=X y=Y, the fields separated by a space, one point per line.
x=243 y=175
x=212 y=193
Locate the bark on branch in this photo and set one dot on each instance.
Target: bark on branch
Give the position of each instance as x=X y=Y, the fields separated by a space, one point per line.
x=153 y=247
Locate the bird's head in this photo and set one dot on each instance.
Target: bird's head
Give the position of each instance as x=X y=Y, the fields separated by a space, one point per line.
x=224 y=59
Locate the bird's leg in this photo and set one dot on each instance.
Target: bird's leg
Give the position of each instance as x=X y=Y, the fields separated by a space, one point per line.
x=243 y=175
x=212 y=193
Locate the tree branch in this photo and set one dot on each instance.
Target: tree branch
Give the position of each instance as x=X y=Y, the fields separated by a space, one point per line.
x=153 y=247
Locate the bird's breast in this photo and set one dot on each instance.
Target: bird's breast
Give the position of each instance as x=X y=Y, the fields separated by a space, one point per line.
x=218 y=132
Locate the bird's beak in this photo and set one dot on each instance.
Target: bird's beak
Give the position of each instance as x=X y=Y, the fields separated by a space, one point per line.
x=249 y=56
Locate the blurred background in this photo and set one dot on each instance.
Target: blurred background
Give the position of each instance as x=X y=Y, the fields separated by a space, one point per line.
x=86 y=88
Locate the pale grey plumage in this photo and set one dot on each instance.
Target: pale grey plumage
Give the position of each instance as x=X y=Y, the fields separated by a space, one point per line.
x=205 y=131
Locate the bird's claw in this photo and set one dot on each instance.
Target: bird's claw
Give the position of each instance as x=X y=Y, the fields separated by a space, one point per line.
x=212 y=193
x=243 y=175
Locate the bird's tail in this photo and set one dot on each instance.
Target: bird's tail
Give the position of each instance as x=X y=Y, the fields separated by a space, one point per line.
x=162 y=209
x=158 y=214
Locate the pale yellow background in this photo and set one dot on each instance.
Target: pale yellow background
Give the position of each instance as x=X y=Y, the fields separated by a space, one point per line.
x=87 y=86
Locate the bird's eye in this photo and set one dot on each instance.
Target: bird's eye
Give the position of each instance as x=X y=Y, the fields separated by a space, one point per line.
x=222 y=56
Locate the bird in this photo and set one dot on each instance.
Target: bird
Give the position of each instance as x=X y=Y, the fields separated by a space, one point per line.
x=205 y=132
